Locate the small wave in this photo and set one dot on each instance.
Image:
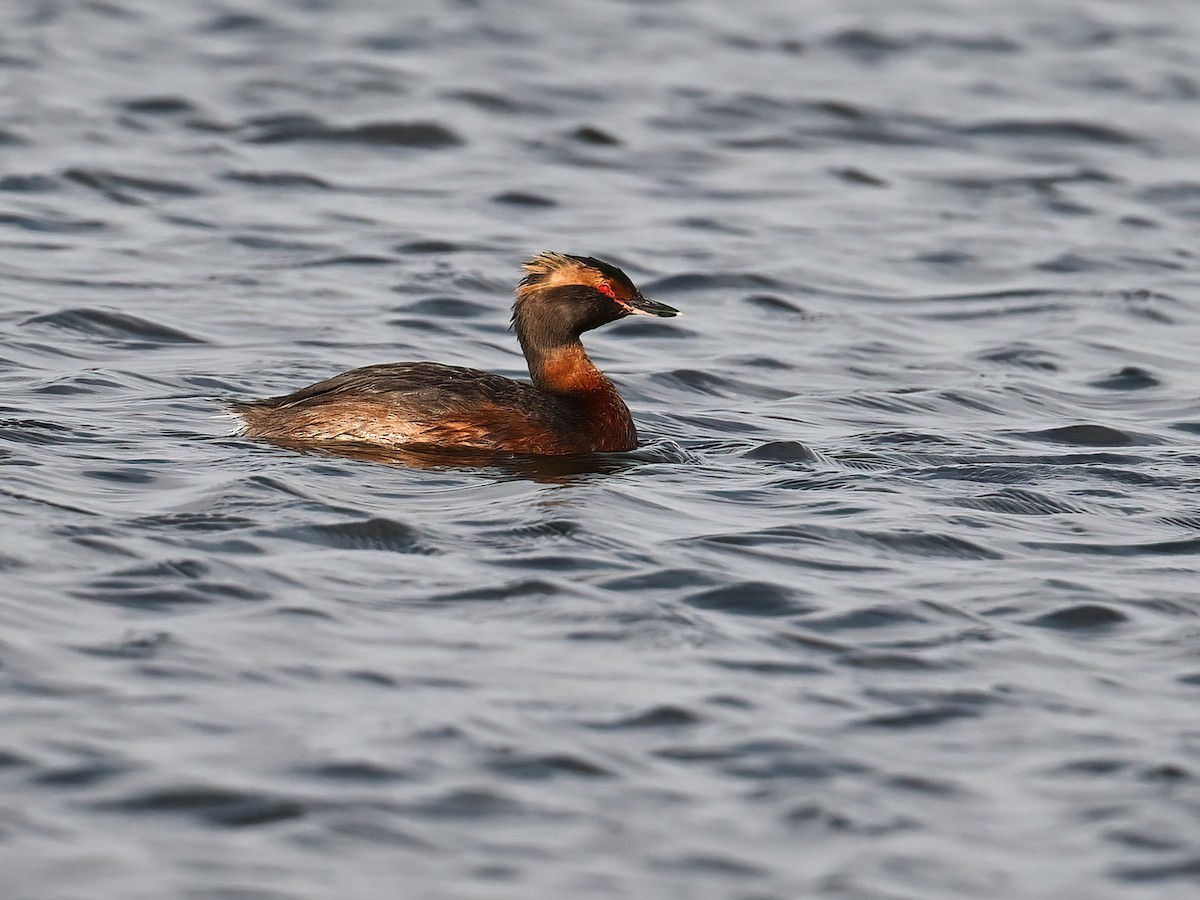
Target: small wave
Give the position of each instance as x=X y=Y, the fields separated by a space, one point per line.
x=52 y=223
x=873 y=46
x=540 y=767
x=773 y=303
x=279 y=179
x=855 y=175
x=1181 y=870
x=132 y=646
x=766 y=759
x=524 y=198
x=117 y=186
x=491 y=101
x=923 y=717
x=1089 y=435
x=783 y=451
x=928 y=544
x=360 y=772
x=865 y=44
x=351 y=259
x=203 y=522
x=448 y=307
x=656 y=717
x=221 y=807
x=1081 y=616
x=228 y=22
x=698 y=380
x=1074 y=263
x=716 y=864
x=465 y=804
x=38 y=432
x=83 y=775
x=659 y=579
x=864 y=618
x=1186 y=547
x=286 y=129
x=159 y=105
x=748 y=598
x=596 y=137
x=701 y=281
x=1051 y=131
x=165 y=585
x=434 y=246
x=1023 y=355
x=1019 y=501
x=113 y=326
x=371 y=534
x=29 y=184
x=1130 y=378
x=526 y=587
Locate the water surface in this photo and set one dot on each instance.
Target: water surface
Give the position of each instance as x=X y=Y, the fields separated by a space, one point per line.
x=898 y=600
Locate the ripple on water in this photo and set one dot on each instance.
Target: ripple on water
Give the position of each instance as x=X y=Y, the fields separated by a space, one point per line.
x=864 y=618
x=124 y=188
x=524 y=199
x=168 y=584
x=450 y=307
x=1129 y=378
x=372 y=534
x=131 y=646
x=656 y=717
x=29 y=184
x=1081 y=616
x=159 y=105
x=358 y=772
x=760 y=760
x=541 y=767
x=783 y=451
x=211 y=806
x=523 y=588
x=466 y=804
x=749 y=598
x=703 y=382
x=110 y=325
x=1053 y=131
x=296 y=128
x=1020 y=502
x=1090 y=435
x=278 y=180
x=51 y=223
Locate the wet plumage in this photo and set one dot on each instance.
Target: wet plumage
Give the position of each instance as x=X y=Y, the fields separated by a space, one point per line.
x=568 y=407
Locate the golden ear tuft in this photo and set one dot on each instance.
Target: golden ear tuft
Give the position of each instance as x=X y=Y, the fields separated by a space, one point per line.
x=548 y=262
x=551 y=270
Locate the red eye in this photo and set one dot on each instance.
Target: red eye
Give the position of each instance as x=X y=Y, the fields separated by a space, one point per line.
x=605 y=288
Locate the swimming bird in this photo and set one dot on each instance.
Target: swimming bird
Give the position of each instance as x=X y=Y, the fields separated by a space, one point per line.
x=567 y=407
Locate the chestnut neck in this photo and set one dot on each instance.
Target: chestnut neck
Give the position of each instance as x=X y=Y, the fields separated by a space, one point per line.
x=565 y=369
x=562 y=368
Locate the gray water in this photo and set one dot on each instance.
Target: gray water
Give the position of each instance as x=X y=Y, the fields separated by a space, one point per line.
x=899 y=598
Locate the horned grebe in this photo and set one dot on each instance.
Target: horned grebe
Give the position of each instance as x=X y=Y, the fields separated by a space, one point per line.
x=569 y=408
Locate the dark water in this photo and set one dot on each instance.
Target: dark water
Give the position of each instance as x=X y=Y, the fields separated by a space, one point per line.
x=899 y=600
